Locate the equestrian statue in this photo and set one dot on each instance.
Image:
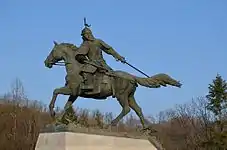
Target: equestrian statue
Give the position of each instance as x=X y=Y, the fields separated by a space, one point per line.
x=89 y=76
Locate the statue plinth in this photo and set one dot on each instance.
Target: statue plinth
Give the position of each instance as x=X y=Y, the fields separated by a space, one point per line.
x=82 y=141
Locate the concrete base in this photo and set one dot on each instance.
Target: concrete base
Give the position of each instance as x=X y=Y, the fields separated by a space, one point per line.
x=82 y=141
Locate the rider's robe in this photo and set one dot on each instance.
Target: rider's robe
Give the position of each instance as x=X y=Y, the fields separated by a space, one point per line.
x=93 y=50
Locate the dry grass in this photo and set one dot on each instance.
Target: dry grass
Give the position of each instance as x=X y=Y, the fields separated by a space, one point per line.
x=19 y=127
x=183 y=128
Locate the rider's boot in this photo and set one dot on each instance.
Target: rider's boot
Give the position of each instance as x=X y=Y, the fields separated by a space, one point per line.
x=87 y=83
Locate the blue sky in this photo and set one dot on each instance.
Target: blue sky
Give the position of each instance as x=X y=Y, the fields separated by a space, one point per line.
x=185 y=39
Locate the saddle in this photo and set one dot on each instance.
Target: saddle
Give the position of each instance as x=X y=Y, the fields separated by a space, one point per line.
x=93 y=82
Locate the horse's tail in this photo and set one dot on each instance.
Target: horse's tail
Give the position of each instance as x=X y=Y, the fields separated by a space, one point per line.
x=157 y=81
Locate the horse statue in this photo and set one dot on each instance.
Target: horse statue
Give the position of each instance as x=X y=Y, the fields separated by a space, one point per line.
x=119 y=84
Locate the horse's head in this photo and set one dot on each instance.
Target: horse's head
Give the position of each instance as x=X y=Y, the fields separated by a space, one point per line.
x=58 y=53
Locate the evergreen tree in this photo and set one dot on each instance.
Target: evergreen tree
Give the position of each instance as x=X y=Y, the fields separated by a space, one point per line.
x=70 y=115
x=217 y=104
x=217 y=97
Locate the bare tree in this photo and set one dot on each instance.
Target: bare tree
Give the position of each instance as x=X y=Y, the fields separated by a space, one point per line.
x=17 y=90
x=16 y=95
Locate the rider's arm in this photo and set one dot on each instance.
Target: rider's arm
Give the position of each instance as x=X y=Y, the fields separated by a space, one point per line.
x=81 y=52
x=109 y=50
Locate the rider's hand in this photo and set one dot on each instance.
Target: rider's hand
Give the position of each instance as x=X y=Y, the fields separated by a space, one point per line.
x=122 y=59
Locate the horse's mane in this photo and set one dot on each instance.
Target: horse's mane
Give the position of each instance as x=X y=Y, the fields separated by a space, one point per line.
x=72 y=46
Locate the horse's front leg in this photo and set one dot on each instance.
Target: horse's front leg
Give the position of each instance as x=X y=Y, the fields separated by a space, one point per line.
x=62 y=90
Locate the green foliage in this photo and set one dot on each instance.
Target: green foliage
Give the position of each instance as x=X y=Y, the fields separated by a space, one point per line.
x=217 y=140
x=217 y=105
x=217 y=96
x=70 y=115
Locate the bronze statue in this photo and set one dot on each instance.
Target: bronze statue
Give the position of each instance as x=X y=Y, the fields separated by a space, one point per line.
x=89 y=76
x=92 y=48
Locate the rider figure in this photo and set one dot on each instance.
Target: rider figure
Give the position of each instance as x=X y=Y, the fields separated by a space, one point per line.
x=92 y=48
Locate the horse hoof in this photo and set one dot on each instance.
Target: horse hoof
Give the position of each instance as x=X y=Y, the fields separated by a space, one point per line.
x=107 y=127
x=113 y=124
x=52 y=114
x=149 y=129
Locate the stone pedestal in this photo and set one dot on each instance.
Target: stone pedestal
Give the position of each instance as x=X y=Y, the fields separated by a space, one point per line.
x=84 y=141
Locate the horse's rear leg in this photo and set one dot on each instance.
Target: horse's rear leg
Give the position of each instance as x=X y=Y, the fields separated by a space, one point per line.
x=70 y=101
x=133 y=104
x=62 y=90
x=123 y=100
